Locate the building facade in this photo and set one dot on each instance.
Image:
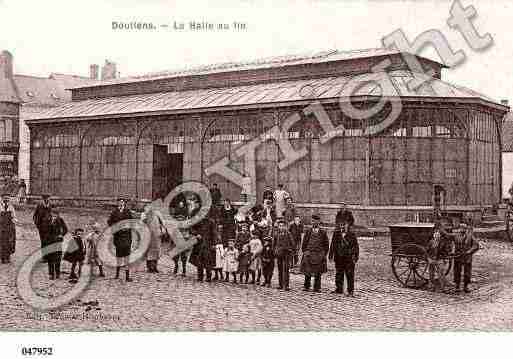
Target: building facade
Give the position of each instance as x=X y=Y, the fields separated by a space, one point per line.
x=142 y=136
x=25 y=97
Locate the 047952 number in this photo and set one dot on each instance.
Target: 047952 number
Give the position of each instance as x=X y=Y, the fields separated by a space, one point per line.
x=36 y=351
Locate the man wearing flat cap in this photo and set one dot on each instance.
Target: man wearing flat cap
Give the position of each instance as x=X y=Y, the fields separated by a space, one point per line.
x=42 y=217
x=315 y=249
x=283 y=249
x=465 y=245
x=123 y=238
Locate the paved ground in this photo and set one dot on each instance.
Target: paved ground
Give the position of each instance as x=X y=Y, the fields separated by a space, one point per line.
x=167 y=302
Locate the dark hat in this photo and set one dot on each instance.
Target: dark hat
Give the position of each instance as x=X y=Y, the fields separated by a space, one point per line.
x=45 y=196
x=78 y=230
x=316 y=217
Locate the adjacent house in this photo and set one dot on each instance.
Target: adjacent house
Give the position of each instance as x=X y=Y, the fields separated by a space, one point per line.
x=23 y=97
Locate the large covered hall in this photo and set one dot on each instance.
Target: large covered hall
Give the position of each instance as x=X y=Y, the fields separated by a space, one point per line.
x=141 y=136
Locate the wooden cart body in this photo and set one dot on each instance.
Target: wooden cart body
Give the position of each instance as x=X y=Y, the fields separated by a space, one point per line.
x=409 y=242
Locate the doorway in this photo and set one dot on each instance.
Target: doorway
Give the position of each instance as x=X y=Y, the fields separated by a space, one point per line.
x=167 y=171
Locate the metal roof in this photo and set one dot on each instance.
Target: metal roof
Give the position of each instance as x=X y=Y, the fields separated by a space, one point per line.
x=269 y=62
x=507 y=133
x=262 y=95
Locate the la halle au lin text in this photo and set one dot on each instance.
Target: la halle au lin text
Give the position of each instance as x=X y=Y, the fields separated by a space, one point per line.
x=179 y=26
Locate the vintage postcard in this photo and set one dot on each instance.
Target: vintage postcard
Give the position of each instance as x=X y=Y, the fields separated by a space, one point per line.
x=246 y=166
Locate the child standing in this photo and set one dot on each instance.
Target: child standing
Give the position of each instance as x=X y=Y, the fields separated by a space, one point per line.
x=255 y=248
x=218 y=269
x=244 y=261
x=267 y=256
x=75 y=253
x=92 y=241
x=230 y=263
x=242 y=237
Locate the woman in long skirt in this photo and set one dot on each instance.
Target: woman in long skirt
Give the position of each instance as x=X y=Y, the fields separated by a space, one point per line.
x=155 y=224
x=7 y=229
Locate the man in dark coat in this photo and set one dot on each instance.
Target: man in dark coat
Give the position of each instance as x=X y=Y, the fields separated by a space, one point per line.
x=42 y=216
x=227 y=218
x=283 y=250
x=7 y=229
x=123 y=238
x=465 y=245
x=216 y=195
x=268 y=194
x=344 y=215
x=296 y=229
x=57 y=229
x=344 y=250
x=203 y=254
x=315 y=249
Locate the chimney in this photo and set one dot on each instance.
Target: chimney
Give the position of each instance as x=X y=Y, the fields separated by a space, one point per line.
x=504 y=102
x=94 y=71
x=6 y=69
x=109 y=71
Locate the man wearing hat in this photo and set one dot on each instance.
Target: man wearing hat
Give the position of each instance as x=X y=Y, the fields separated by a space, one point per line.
x=344 y=215
x=465 y=245
x=122 y=238
x=283 y=250
x=42 y=216
x=7 y=229
x=57 y=229
x=315 y=249
x=344 y=251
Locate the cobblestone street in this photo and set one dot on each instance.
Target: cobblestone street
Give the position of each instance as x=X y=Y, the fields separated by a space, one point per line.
x=167 y=302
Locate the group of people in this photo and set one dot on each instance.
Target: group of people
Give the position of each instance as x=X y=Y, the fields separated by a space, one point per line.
x=246 y=247
x=82 y=248
x=231 y=245
x=14 y=187
x=459 y=241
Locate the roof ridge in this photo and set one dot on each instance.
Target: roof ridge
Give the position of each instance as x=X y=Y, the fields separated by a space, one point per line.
x=31 y=76
x=72 y=75
x=273 y=59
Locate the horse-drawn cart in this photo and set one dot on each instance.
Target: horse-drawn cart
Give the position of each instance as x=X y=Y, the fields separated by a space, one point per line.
x=409 y=253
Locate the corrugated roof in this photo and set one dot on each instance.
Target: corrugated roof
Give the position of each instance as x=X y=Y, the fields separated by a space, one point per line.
x=261 y=94
x=269 y=62
x=507 y=133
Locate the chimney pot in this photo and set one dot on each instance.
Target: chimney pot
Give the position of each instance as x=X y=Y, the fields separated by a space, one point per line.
x=6 y=67
x=109 y=70
x=94 y=71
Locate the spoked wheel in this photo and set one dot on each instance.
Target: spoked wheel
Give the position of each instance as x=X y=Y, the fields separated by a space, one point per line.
x=410 y=266
x=509 y=226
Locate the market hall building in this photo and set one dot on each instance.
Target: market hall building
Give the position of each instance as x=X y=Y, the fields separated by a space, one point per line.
x=141 y=136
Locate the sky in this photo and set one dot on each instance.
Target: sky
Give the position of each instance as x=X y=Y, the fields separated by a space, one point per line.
x=67 y=36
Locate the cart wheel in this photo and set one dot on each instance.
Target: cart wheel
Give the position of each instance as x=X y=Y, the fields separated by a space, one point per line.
x=446 y=263
x=509 y=226
x=410 y=266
